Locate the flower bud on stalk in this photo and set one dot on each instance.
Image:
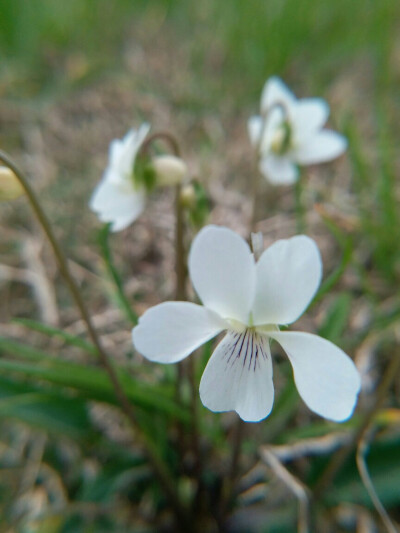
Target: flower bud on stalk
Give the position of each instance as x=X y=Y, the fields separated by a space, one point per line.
x=188 y=196
x=10 y=187
x=169 y=169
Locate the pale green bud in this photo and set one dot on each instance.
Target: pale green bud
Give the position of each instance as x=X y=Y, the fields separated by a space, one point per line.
x=169 y=169
x=10 y=187
x=188 y=196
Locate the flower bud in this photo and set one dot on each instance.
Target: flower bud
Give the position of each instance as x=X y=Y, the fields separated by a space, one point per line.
x=170 y=170
x=10 y=187
x=188 y=196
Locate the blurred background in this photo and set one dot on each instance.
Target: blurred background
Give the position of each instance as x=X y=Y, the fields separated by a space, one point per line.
x=73 y=76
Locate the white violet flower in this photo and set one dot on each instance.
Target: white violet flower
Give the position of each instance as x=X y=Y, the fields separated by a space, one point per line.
x=289 y=133
x=249 y=299
x=118 y=198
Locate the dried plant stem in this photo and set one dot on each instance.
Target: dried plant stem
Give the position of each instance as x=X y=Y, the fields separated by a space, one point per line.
x=341 y=455
x=298 y=489
x=362 y=451
x=159 y=468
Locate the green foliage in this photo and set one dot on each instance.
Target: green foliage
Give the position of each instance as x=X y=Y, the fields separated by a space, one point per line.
x=337 y=318
x=119 y=294
x=90 y=382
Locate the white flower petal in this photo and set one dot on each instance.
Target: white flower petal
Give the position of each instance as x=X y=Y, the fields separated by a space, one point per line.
x=169 y=332
x=326 y=378
x=288 y=276
x=254 y=127
x=238 y=377
x=278 y=170
x=308 y=116
x=222 y=271
x=123 y=151
x=116 y=205
x=273 y=127
x=323 y=146
x=275 y=92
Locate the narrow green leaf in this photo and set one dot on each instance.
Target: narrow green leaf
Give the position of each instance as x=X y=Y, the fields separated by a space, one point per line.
x=336 y=318
x=91 y=382
x=346 y=244
x=46 y=409
x=51 y=331
x=122 y=300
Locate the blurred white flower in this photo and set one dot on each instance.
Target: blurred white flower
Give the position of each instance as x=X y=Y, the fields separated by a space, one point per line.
x=289 y=133
x=119 y=198
x=249 y=299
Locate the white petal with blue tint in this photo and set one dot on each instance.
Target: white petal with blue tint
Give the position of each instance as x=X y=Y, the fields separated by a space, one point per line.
x=169 y=332
x=308 y=117
x=323 y=146
x=288 y=275
x=279 y=170
x=123 y=151
x=117 y=205
x=222 y=271
x=276 y=92
x=238 y=376
x=255 y=126
x=326 y=378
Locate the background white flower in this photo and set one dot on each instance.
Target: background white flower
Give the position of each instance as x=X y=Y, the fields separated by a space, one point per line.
x=289 y=132
x=117 y=198
x=249 y=300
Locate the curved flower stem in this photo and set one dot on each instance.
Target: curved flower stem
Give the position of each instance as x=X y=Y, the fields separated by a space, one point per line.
x=328 y=476
x=164 y=136
x=158 y=466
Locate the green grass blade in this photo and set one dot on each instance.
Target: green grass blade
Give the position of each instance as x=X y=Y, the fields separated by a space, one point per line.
x=113 y=273
x=51 y=331
x=91 y=382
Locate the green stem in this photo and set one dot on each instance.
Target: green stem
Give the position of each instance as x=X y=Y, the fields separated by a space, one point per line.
x=329 y=475
x=158 y=466
x=180 y=294
x=180 y=259
x=114 y=275
x=239 y=432
x=299 y=207
x=254 y=208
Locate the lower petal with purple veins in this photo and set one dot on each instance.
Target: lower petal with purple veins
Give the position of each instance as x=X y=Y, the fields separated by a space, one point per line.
x=238 y=376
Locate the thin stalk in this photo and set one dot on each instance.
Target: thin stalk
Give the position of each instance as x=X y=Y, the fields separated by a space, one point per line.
x=164 y=136
x=255 y=192
x=299 y=207
x=158 y=466
x=239 y=432
x=180 y=294
x=362 y=451
x=180 y=259
x=329 y=475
